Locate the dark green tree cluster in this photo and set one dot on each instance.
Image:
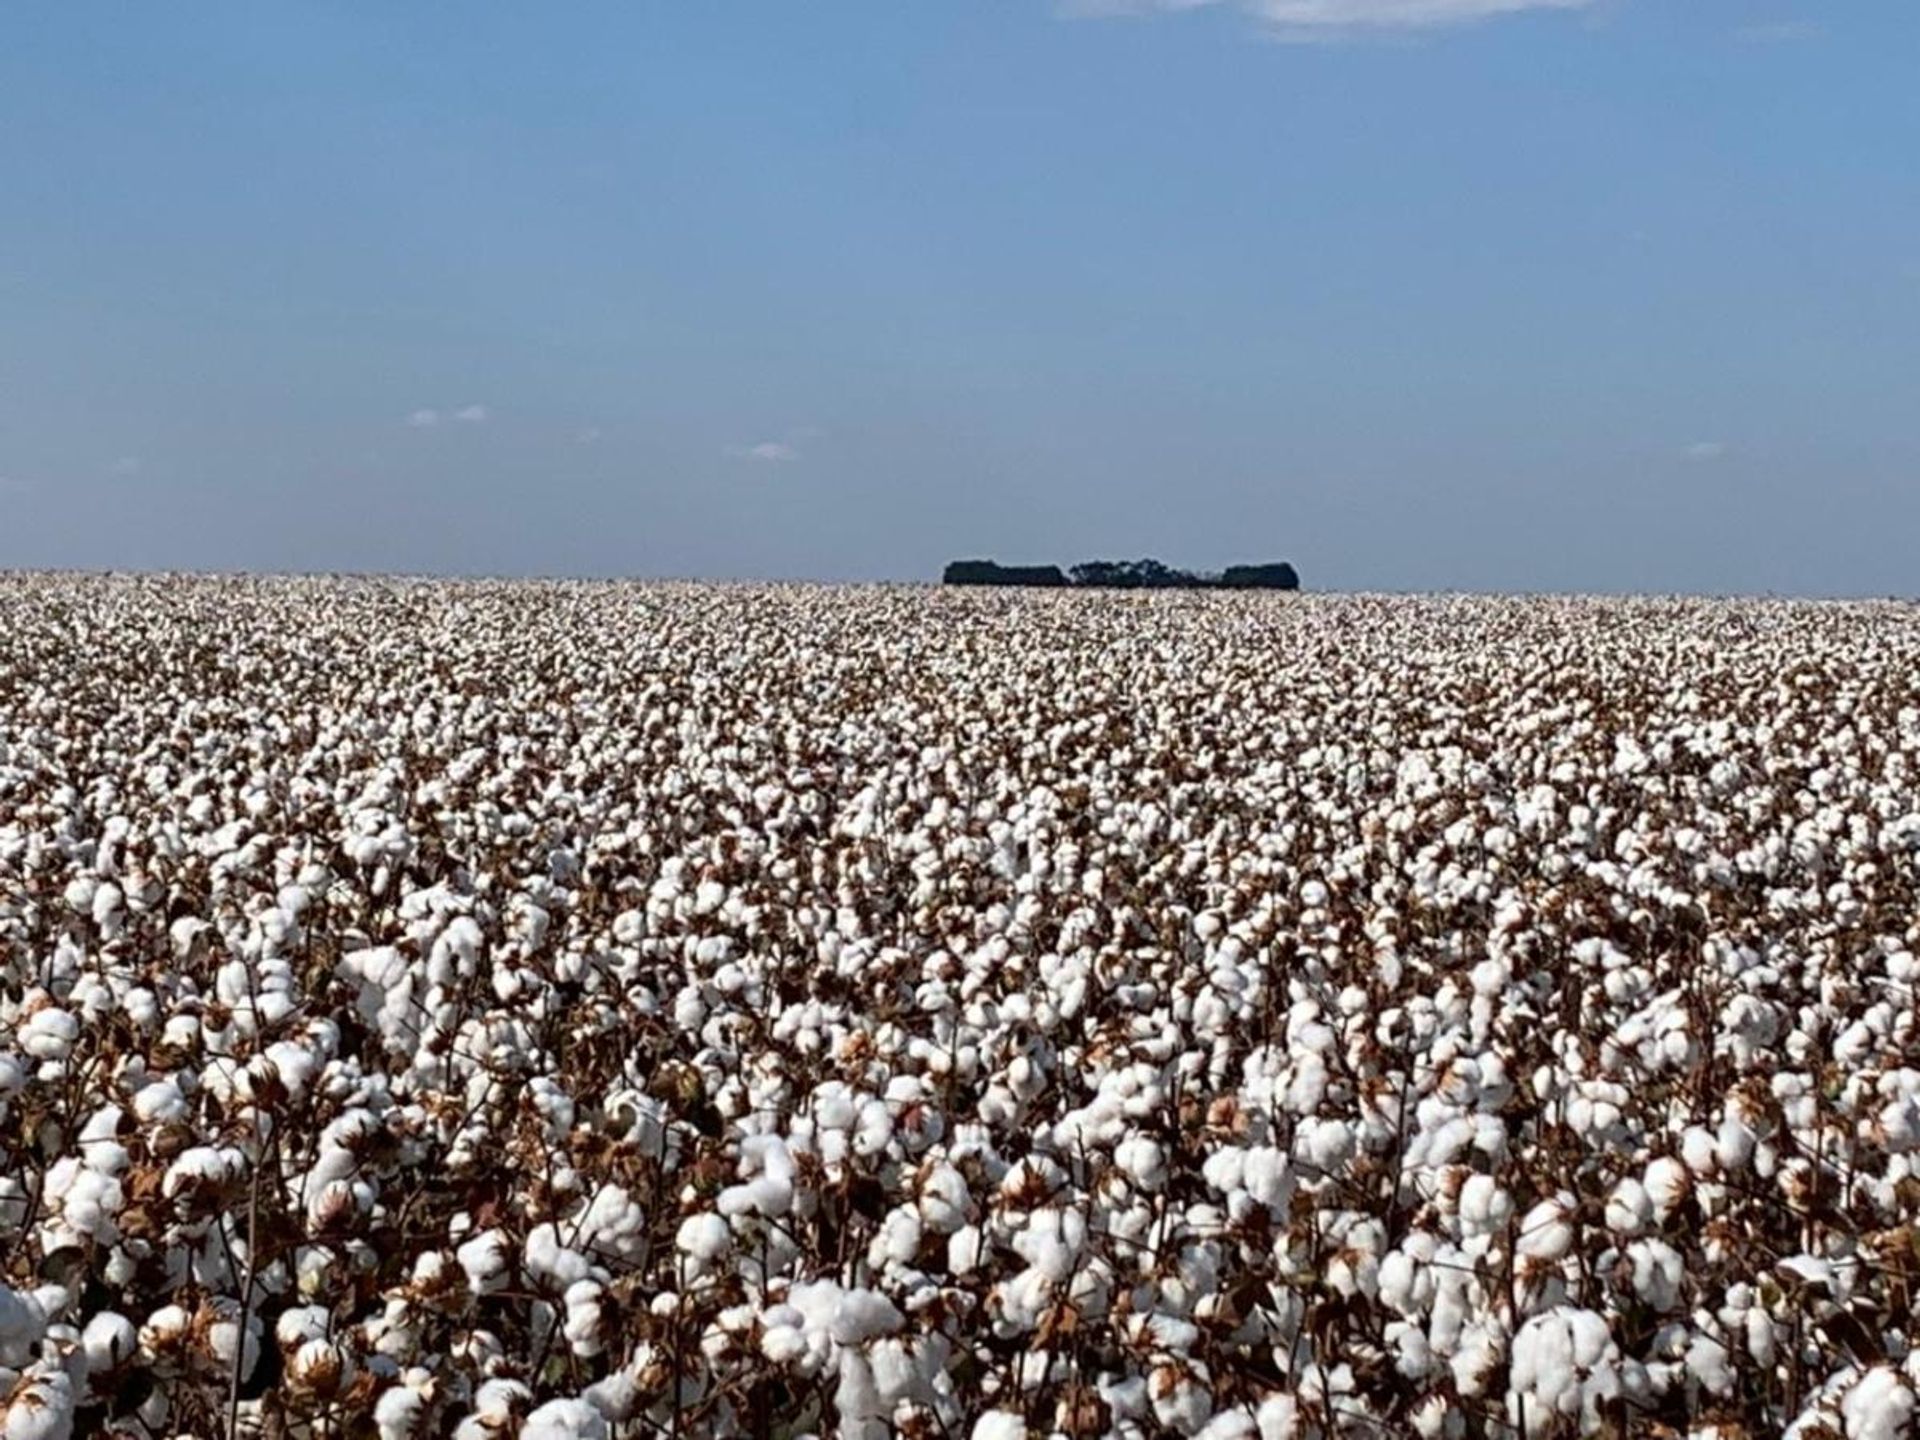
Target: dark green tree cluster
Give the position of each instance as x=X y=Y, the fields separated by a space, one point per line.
x=1123 y=575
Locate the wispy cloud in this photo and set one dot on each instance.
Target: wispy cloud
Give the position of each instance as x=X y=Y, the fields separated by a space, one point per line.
x=1779 y=32
x=774 y=452
x=125 y=465
x=587 y=435
x=1705 y=450
x=1332 y=19
x=428 y=416
x=14 y=485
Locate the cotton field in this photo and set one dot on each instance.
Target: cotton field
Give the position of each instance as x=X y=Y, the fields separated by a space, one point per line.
x=574 y=1010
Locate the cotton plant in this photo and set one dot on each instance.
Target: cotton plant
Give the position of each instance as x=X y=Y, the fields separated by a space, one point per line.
x=599 y=1009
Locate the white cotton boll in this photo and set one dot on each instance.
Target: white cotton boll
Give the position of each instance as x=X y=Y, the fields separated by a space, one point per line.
x=1879 y=1406
x=873 y=1129
x=1710 y=1365
x=860 y=1315
x=1324 y=1144
x=1700 y=1150
x=1629 y=1208
x=1667 y=1184
x=1224 y=1169
x=1179 y=1401
x=897 y=1372
x=564 y=1420
x=1899 y=1125
x=39 y=1407
x=109 y=1341
x=898 y=1241
x=1229 y=1425
x=783 y=1344
x=159 y=1103
x=1734 y=1144
x=1658 y=1272
x=165 y=1329
x=49 y=1034
x=966 y=1250
x=321 y=1368
x=583 y=1318
x=1278 y=1418
x=484 y=1258
x=945 y=1200
x=1143 y=1161
x=1485 y=1208
x=1000 y=1425
x=232 y=1337
x=547 y=1259
x=1482 y=1346
x=1545 y=1233
x=398 y=1413
x=299 y=1324
x=702 y=1239
x=1564 y=1363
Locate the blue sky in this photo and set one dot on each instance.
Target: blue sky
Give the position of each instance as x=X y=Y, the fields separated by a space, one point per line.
x=1466 y=294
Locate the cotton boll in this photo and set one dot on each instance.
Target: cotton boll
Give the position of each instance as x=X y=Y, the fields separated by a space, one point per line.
x=1485 y=1208
x=702 y=1240
x=1667 y=1185
x=399 y=1413
x=1143 y=1161
x=1629 y=1208
x=966 y=1250
x=39 y=1407
x=1710 y=1365
x=484 y=1258
x=1545 y=1232
x=547 y=1260
x=1658 y=1273
x=109 y=1341
x=999 y=1425
x=320 y=1368
x=564 y=1420
x=1879 y=1406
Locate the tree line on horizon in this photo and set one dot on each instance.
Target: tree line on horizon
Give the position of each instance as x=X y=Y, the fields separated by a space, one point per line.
x=1122 y=575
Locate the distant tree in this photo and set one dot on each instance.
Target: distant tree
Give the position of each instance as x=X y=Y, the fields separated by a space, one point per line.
x=986 y=572
x=1278 y=576
x=1147 y=574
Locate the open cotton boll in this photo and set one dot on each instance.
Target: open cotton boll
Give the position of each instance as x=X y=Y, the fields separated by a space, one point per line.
x=1000 y=1425
x=1564 y=1363
x=547 y=1260
x=1629 y=1208
x=1545 y=1232
x=564 y=1420
x=1878 y=1406
x=484 y=1258
x=702 y=1239
x=40 y=1406
x=109 y=1340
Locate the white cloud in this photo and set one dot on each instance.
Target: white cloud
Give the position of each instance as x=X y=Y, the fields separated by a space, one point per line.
x=424 y=419
x=471 y=415
x=587 y=435
x=1705 y=450
x=1328 y=19
x=767 y=451
x=125 y=465
x=12 y=485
